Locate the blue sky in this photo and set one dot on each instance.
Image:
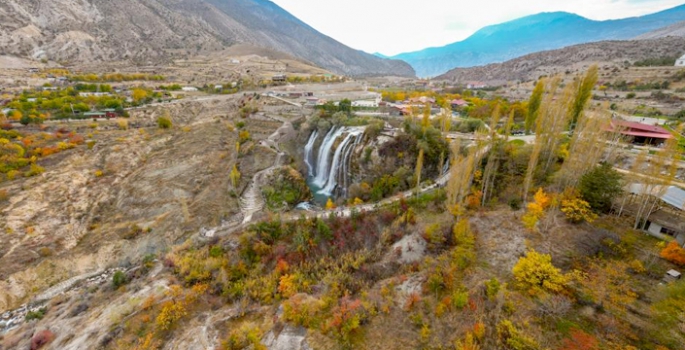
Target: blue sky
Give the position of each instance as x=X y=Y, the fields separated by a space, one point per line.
x=394 y=26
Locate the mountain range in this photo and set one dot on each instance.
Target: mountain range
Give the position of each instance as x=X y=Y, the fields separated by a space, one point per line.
x=544 y=31
x=143 y=31
x=575 y=58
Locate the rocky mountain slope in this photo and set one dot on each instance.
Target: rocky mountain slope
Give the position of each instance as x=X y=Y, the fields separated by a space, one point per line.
x=545 y=31
x=552 y=62
x=677 y=29
x=157 y=30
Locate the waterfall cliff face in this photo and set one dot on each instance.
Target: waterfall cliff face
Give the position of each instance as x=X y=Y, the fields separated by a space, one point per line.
x=330 y=170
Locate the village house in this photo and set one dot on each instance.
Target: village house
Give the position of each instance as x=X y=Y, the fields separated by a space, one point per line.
x=312 y=101
x=667 y=220
x=476 y=85
x=280 y=78
x=458 y=103
x=94 y=94
x=680 y=62
x=640 y=133
x=189 y=88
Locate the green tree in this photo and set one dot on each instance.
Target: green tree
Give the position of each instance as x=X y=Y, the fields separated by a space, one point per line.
x=534 y=104
x=600 y=186
x=583 y=93
x=164 y=123
x=119 y=279
x=345 y=106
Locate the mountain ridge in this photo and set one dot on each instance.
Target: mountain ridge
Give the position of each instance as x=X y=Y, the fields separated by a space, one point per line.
x=538 y=32
x=161 y=30
x=530 y=67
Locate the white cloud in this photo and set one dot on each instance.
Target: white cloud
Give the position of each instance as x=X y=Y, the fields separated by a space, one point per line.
x=395 y=26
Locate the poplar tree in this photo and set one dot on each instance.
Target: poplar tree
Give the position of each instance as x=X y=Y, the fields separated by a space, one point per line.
x=542 y=126
x=534 y=105
x=584 y=88
x=586 y=148
x=447 y=118
x=493 y=158
x=419 y=166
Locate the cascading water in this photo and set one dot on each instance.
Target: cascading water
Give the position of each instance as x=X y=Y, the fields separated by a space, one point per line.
x=323 y=160
x=330 y=166
x=308 y=148
x=342 y=154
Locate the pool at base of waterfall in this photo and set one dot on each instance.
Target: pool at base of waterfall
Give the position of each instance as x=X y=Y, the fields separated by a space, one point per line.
x=318 y=198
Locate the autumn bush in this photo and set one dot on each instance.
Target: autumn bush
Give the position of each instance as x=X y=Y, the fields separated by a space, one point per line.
x=34 y=170
x=577 y=210
x=164 y=123
x=535 y=273
x=674 y=253
x=512 y=338
x=347 y=318
x=247 y=336
x=41 y=339
x=536 y=209
x=580 y=340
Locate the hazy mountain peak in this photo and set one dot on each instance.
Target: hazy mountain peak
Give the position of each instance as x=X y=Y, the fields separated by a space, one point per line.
x=538 y=32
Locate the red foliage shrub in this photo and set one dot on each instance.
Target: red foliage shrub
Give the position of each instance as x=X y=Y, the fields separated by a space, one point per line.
x=76 y=139
x=46 y=151
x=41 y=339
x=387 y=217
x=580 y=340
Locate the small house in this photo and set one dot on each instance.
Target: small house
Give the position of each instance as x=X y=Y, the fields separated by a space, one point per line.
x=476 y=85
x=280 y=78
x=110 y=113
x=680 y=62
x=458 y=103
x=640 y=133
x=189 y=89
x=668 y=217
x=95 y=115
x=312 y=101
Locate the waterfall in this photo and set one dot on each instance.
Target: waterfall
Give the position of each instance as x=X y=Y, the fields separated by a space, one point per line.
x=330 y=166
x=346 y=163
x=342 y=154
x=322 y=161
x=308 y=152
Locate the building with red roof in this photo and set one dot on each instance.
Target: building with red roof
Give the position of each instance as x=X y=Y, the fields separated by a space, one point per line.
x=457 y=103
x=641 y=133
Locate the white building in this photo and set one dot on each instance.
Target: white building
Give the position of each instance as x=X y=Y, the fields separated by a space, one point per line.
x=189 y=88
x=680 y=62
x=96 y=94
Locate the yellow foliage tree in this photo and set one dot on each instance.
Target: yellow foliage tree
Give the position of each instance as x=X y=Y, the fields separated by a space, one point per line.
x=138 y=95
x=577 y=210
x=535 y=273
x=235 y=176
x=536 y=209
x=330 y=205
x=287 y=286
